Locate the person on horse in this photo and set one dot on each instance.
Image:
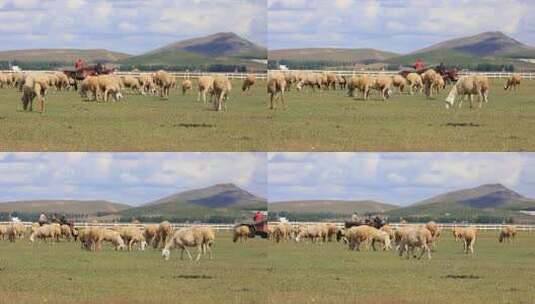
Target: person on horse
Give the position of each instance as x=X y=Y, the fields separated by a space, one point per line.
x=42 y=219
x=99 y=68
x=258 y=217
x=79 y=64
x=418 y=64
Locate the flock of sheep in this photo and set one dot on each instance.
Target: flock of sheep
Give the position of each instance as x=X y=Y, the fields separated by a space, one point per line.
x=429 y=83
x=35 y=86
x=159 y=236
x=406 y=239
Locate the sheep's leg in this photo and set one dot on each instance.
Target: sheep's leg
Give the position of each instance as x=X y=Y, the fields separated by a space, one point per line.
x=199 y=251
x=189 y=254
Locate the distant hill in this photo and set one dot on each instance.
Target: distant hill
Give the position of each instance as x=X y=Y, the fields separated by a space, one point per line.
x=226 y=200
x=330 y=54
x=330 y=206
x=62 y=206
x=61 y=55
x=486 y=200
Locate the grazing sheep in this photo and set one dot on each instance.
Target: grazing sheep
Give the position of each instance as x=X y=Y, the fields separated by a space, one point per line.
x=315 y=233
x=280 y=232
x=390 y=231
x=241 y=233
x=164 y=81
x=4 y=80
x=399 y=82
x=383 y=85
x=331 y=231
x=469 y=85
x=512 y=82
x=34 y=86
x=366 y=234
x=90 y=84
x=165 y=231
x=439 y=83
x=132 y=236
x=151 y=235
x=507 y=232
x=3 y=232
x=208 y=239
x=342 y=82
x=205 y=85
x=331 y=81
x=457 y=233
x=92 y=239
x=109 y=85
x=221 y=91
x=415 y=82
x=114 y=238
x=133 y=84
x=468 y=235
x=147 y=84
x=361 y=83
x=183 y=238
x=46 y=232
x=248 y=83
x=276 y=86
x=312 y=80
x=186 y=85
x=429 y=79
x=62 y=81
x=416 y=237
x=66 y=231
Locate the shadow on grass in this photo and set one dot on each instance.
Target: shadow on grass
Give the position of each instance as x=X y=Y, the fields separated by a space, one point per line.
x=192 y=277
x=462 y=277
x=462 y=124
x=194 y=125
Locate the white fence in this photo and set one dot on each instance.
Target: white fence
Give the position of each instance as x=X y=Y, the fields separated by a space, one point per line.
x=116 y=225
x=175 y=74
x=529 y=75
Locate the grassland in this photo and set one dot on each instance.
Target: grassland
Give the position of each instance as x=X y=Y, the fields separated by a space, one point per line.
x=63 y=273
x=330 y=121
x=138 y=123
x=329 y=273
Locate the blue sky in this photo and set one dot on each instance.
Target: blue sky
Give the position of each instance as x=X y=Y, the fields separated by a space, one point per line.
x=131 y=178
x=131 y=26
x=393 y=25
x=398 y=178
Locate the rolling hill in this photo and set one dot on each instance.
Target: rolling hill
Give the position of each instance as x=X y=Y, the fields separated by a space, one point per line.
x=226 y=200
x=492 y=200
x=330 y=206
x=62 y=206
x=330 y=54
x=61 y=55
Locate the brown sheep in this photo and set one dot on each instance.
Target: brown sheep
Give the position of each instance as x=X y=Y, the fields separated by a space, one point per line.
x=512 y=82
x=186 y=85
x=468 y=235
x=205 y=85
x=276 y=86
x=507 y=233
x=469 y=85
x=151 y=234
x=248 y=82
x=383 y=85
x=429 y=78
x=221 y=91
x=240 y=233
x=399 y=82
x=361 y=83
x=164 y=81
x=165 y=231
x=415 y=82
x=34 y=86
x=416 y=237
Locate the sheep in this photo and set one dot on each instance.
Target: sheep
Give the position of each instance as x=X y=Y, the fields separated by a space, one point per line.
x=361 y=83
x=342 y=82
x=457 y=232
x=241 y=233
x=429 y=79
x=165 y=230
x=62 y=81
x=416 y=237
x=34 y=86
x=290 y=78
x=366 y=234
x=331 y=81
x=183 y=238
x=114 y=238
x=439 y=83
x=399 y=82
x=507 y=232
x=399 y=233
x=93 y=238
x=276 y=86
x=186 y=85
x=13 y=232
x=4 y=80
x=469 y=85
x=390 y=231
x=315 y=233
x=147 y=83
x=3 y=231
x=132 y=236
x=205 y=85
x=331 y=231
x=151 y=235
x=221 y=91
x=45 y=232
x=415 y=82
x=468 y=235
x=108 y=84
x=279 y=232
x=248 y=83
x=133 y=84
x=208 y=239
x=66 y=231
x=312 y=80
x=90 y=84
x=164 y=81
x=512 y=82
x=383 y=84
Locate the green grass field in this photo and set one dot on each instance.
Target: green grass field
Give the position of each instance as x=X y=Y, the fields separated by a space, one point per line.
x=330 y=273
x=63 y=273
x=330 y=121
x=139 y=123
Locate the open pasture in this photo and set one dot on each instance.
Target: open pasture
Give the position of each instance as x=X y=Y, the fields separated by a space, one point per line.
x=330 y=273
x=64 y=273
x=331 y=121
x=136 y=123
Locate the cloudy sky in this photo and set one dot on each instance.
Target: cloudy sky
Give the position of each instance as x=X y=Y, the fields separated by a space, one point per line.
x=131 y=178
x=131 y=26
x=393 y=25
x=398 y=178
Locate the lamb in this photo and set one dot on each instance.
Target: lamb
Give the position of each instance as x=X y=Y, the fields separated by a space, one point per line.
x=469 y=85
x=183 y=238
x=186 y=85
x=241 y=233
x=383 y=84
x=165 y=82
x=415 y=82
x=34 y=86
x=109 y=85
x=114 y=238
x=151 y=235
x=507 y=232
x=468 y=235
x=342 y=82
x=133 y=84
x=221 y=91
x=205 y=85
x=416 y=237
x=399 y=82
x=276 y=86
x=248 y=82
x=512 y=82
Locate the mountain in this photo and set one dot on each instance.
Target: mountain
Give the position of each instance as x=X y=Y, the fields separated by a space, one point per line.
x=330 y=206
x=494 y=200
x=226 y=200
x=61 y=55
x=62 y=206
x=330 y=54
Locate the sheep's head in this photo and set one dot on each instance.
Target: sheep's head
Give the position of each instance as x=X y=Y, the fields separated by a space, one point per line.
x=143 y=245
x=166 y=253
